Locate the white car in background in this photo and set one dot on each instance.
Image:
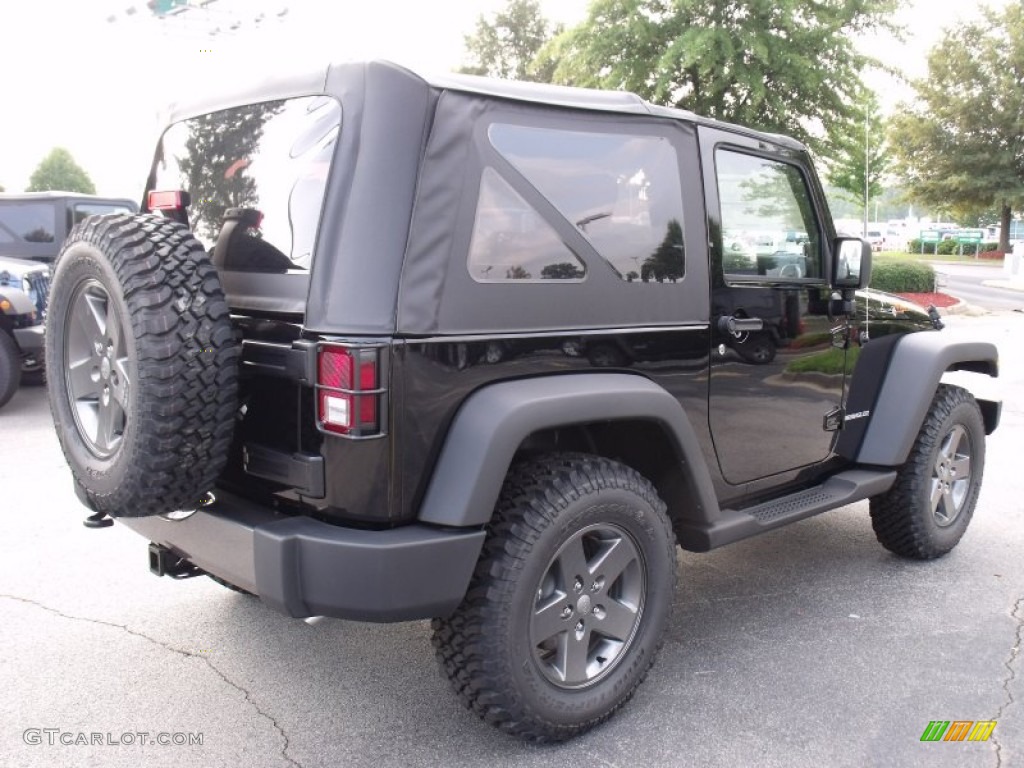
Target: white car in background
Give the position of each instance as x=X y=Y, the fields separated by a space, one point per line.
x=876 y=238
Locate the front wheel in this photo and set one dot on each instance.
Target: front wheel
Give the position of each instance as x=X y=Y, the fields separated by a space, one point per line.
x=927 y=510
x=569 y=601
x=10 y=368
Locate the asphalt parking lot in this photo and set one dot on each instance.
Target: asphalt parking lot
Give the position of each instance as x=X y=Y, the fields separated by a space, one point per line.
x=810 y=646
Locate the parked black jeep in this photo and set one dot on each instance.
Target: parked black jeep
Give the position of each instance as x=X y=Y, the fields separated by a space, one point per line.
x=387 y=348
x=33 y=227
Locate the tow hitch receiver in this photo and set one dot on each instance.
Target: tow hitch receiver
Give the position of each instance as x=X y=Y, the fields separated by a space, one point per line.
x=163 y=562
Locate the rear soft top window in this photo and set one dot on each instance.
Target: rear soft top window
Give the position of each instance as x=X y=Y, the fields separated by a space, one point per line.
x=260 y=169
x=31 y=222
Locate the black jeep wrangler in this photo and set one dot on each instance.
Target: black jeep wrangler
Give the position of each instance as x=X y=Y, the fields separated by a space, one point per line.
x=388 y=348
x=33 y=227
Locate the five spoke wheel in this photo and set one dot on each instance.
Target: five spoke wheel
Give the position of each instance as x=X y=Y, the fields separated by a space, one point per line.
x=951 y=477
x=96 y=368
x=589 y=603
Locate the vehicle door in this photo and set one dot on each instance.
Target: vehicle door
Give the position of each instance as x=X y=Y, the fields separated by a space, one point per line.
x=776 y=381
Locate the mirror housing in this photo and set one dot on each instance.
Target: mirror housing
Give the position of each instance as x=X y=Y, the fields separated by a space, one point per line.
x=851 y=263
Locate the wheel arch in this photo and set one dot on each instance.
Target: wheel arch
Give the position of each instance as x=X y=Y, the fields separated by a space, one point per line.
x=914 y=370
x=617 y=415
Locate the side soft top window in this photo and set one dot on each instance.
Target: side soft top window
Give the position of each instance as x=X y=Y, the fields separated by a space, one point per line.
x=620 y=191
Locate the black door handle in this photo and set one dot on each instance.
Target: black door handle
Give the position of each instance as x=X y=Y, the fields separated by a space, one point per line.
x=736 y=325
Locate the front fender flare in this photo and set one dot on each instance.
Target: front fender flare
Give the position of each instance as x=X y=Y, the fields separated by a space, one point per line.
x=913 y=375
x=493 y=422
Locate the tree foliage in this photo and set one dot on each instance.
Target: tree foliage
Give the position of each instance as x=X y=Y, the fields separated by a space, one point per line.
x=666 y=263
x=58 y=171
x=780 y=65
x=506 y=46
x=217 y=151
x=860 y=138
x=960 y=145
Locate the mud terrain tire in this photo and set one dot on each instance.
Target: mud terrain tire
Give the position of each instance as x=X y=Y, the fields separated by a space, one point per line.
x=142 y=362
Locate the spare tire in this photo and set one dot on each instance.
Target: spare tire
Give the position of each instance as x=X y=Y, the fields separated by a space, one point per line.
x=143 y=365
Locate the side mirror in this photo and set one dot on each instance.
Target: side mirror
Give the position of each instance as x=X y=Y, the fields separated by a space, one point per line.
x=851 y=263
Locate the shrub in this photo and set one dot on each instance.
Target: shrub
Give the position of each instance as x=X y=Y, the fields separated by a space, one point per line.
x=898 y=276
x=947 y=247
x=737 y=261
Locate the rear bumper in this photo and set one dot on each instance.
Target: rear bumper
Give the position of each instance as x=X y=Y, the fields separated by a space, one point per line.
x=305 y=567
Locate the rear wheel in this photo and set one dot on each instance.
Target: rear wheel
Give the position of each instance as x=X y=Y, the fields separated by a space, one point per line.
x=569 y=600
x=927 y=511
x=10 y=368
x=142 y=364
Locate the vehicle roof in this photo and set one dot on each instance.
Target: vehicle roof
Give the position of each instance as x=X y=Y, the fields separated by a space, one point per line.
x=57 y=195
x=337 y=79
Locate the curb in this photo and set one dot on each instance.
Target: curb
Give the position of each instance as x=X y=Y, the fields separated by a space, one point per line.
x=1009 y=285
x=962 y=308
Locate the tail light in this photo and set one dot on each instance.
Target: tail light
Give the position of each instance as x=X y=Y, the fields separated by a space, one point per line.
x=173 y=203
x=167 y=200
x=349 y=394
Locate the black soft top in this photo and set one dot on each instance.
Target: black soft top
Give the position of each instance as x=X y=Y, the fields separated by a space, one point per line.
x=390 y=244
x=338 y=79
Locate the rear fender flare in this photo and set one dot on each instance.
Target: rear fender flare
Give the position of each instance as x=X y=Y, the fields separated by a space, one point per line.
x=494 y=421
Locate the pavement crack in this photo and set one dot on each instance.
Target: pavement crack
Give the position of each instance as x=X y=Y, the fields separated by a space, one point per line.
x=1011 y=667
x=181 y=652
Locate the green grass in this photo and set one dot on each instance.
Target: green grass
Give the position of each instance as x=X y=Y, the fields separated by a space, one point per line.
x=951 y=258
x=830 y=362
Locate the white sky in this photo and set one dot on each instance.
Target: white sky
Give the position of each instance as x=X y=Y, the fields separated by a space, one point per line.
x=69 y=77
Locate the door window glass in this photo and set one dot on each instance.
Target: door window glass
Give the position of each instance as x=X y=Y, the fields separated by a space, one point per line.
x=82 y=210
x=768 y=225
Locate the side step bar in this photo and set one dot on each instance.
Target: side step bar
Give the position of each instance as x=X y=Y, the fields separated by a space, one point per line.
x=738 y=524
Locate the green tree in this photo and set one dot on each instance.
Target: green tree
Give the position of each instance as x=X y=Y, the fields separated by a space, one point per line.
x=563 y=270
x=517 y=272
x=859 y=139
x=58 y=171
x=666 y=263
x=779 y=65
x=217 y=152
x=960 y=145
x=506 y=45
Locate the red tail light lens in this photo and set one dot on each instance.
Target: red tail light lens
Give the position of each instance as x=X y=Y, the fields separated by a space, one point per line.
x=347 y=390
x=167 y=200
x=334 y=372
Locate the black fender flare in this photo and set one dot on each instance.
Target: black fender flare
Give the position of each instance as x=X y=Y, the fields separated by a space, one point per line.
x=915 y=368
x=495 y=420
